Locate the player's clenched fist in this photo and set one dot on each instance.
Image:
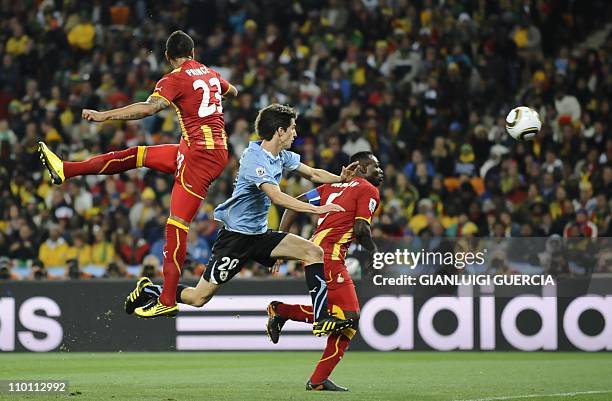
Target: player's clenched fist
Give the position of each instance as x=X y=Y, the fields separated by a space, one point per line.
x=93 y=115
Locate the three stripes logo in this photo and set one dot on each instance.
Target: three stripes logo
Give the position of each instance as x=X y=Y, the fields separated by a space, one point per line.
x=238 y=322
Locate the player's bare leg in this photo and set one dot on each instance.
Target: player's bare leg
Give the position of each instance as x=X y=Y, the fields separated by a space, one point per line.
x=160 y=158
x=198 y=295
x=195 y=296
x=297 y=248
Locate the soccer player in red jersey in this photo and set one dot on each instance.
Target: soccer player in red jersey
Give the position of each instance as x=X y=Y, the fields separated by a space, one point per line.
x=195 y=91
x=335 y=232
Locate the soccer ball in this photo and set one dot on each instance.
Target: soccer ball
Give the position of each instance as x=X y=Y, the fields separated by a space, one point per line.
x=523 y=123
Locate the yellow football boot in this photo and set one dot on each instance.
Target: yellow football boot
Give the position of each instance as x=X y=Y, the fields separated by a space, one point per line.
x=155 y=309
x=54 y=164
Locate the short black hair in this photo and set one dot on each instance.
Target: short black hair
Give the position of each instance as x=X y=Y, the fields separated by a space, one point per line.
x=273 y=117
x=178 y=45
x=361 y=157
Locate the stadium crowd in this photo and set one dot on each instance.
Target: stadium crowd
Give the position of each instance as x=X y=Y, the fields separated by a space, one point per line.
x=425 y=85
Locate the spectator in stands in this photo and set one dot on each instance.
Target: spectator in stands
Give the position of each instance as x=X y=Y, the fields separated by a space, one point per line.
x=114 y=271
x=81 y=36
x=441 y=158
x=581 y=226
x=585 y=199
x=19 y=43
x=466 y=165
x=23 y=243
x=80 y=250
x=198 y=248
x=416 y=159
x=145 y=210
x=5 y=269
x=150 y=267
x=354 y=141
x=73 y=270
x=131 y=249
x=102 y=250
x=38 y=271
x=55 y=251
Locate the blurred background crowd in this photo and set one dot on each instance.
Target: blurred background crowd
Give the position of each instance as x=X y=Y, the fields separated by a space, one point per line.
x=425 y=85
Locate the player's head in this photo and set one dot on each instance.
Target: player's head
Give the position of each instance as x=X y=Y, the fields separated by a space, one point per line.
x=276 y=122
x=179 y=45
x=369 y=167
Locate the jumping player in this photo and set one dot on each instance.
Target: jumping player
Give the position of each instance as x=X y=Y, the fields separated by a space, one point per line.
x=245 y=236
x=195 y=91
x=334 y=234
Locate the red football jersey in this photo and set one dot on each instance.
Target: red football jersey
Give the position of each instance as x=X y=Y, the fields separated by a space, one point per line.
x=196 y=93
x=334 y=231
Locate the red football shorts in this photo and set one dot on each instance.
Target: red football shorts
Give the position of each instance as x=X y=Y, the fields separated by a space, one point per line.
x=197 y=168
x=340 y=287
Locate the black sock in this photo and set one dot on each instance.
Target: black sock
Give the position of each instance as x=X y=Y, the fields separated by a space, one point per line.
x=179 y=289
x=315 y=279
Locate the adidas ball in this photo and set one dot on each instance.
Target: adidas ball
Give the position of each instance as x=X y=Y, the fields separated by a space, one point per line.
x=523 y=123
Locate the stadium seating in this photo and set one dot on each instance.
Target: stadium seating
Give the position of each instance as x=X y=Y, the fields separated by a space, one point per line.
x=391 y=76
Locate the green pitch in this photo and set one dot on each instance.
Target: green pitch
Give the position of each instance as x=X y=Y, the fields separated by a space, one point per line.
x=281 y=376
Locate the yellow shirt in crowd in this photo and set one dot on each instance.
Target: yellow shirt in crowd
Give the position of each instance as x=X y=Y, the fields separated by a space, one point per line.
x=83 y=255
x=17 y=46
x=54 y=254
x=102 y=253
x=82 y=36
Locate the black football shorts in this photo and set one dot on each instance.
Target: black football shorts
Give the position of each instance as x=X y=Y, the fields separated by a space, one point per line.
x=233 y=250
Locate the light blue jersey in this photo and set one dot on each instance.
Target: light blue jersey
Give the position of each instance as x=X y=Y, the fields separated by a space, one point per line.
x=246 y=211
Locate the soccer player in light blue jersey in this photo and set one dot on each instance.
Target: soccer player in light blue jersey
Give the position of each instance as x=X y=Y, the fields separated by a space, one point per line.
x=245 y=235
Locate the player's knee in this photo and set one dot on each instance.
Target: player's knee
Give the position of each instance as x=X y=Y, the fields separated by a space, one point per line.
x=313 y=254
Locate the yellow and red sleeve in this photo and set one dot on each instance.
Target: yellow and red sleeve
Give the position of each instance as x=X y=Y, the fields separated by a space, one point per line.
x=368 y=200
x=167 y=88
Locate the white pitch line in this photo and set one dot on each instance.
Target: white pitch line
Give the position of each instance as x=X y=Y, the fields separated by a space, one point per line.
x=539 y=395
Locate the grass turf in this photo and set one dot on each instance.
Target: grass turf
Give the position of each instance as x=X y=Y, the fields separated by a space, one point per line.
x=281 y=375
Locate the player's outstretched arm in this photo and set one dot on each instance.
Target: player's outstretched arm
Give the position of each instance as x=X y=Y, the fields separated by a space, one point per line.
x=134 y=111
x=231 y=91
x=320 y=176
x=280 y=198
x=285 y=224
x=289 y=216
